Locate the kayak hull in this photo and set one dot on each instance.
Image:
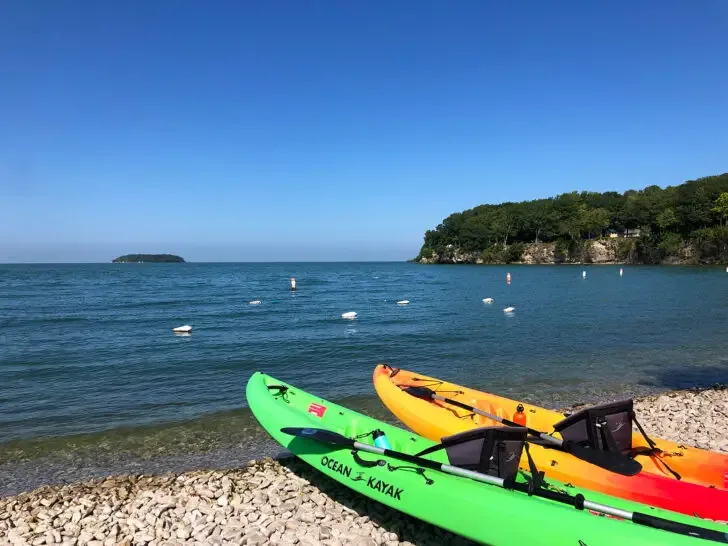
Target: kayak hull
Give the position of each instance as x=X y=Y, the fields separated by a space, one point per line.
x=652 y=486
x=484 y=513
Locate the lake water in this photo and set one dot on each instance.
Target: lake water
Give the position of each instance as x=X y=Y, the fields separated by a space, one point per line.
x=92 y=379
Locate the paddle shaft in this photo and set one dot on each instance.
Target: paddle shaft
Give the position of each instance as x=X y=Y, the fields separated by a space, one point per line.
x=614 y=462
x=545 y=437
x=578 y=501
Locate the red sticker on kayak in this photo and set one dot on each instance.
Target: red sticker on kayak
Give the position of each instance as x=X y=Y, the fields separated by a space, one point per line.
x=317 y=409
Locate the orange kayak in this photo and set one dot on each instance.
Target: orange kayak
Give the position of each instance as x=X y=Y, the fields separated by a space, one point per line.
x=702 y=487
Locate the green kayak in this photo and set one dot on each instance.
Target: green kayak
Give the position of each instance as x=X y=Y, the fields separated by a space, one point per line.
x=323 y=434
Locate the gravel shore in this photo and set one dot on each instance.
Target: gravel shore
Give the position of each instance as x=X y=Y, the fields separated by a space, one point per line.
x=277 y=502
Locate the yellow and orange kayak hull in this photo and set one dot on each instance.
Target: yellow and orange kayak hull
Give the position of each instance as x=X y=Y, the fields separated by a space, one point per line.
x=702 y=490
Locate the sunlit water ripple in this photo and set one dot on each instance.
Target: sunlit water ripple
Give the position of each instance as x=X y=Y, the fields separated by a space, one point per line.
x=92 y=379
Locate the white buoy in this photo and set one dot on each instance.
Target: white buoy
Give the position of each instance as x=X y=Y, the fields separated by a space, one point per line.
x=254 y=302
x=487 y=300
x=508 y=278
x=349 y=315
x=583 y=274
x=403 y=302
x=509 y=309
x=182 y=329
x=293 y=283
x=621 y=271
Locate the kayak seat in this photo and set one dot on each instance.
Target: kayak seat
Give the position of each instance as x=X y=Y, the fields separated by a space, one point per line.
x=606 y=427
x=490 y=450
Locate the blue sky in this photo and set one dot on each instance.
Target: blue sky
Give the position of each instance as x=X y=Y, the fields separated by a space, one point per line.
x=326 y=130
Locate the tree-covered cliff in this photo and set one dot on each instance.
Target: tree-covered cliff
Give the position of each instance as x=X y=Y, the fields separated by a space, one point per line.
x=694 y=213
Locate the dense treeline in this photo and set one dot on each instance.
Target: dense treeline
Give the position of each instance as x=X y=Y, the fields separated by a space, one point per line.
x=694 y=212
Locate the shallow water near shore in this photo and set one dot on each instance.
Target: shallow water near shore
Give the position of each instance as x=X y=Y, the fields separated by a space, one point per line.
x=92 y=380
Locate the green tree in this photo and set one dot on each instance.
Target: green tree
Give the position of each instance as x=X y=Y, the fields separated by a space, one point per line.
x=503 y=225
x=666 y=219
x=540 y=220
x=476 y=233
x=632 y=215
x=721 y=206
x=694 y=207
x=426 y=253
x=670 y=244
x=595 y=221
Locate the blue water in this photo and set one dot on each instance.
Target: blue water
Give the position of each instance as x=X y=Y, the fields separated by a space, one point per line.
x=88 y=357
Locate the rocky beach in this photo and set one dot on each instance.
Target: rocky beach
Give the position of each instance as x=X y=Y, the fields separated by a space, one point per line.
x=277 y=501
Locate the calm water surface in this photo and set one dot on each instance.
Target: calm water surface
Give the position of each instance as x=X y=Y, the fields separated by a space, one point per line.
x=92 y=379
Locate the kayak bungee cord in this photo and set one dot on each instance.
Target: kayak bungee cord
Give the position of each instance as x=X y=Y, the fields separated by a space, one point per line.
x=614 y=462
x=578 y=501
x=653 y=451
x=431 y=382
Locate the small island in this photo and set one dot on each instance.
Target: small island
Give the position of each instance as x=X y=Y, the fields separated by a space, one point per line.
x=148 y=258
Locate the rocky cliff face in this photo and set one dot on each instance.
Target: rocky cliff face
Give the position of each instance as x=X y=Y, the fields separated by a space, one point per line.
x=540 y=253
x=595 y=251
x=452 y=255
x=603 y=252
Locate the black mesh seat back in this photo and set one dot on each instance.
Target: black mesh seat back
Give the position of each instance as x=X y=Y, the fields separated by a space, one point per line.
x=491 y=450
x=585 y=427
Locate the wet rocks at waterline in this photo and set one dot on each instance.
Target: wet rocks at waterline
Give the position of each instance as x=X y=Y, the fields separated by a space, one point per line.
x=272 y=502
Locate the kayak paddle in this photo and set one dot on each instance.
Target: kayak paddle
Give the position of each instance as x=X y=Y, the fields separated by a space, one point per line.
x=577 y=501
x=614 y=462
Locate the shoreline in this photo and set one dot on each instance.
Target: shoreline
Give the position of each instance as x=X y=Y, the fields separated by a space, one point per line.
x=221 y=440
x=279 y=501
